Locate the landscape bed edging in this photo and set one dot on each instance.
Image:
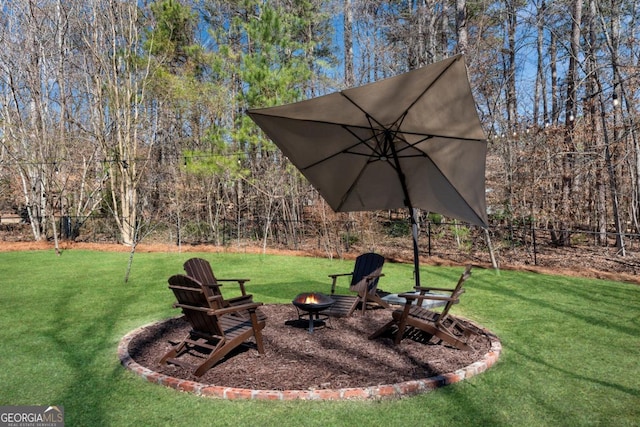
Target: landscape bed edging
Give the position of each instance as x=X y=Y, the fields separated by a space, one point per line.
x=405 y=388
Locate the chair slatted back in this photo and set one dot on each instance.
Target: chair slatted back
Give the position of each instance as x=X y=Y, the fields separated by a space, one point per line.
x=365 y=265
x=201 y=270
x=455 y=295
x=192 y=299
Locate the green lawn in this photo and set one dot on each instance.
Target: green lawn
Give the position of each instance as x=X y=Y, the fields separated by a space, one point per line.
x=571 y=347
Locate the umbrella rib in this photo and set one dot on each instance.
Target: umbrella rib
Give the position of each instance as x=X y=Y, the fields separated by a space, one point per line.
x=366 y=114
x=345 y=150
x=348 y=127
x=376 y=153
x=433 y=82
x=433 y=135
x=426 y=137
x=322 y=122
x=343 y=199
x=404 y=113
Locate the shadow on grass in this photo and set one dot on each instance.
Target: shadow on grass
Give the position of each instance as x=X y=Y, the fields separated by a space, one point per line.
x=566 y=299
x=84 y=335
x=571 y=373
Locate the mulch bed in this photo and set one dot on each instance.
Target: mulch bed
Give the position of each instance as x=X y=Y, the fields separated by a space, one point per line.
x=337 y=355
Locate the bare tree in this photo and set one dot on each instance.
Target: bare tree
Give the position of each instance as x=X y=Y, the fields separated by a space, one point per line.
x=26 y=110
x=43 y=116
x=612 y=36
x=461 y=26
x=569 y=149
x=541 y=82
x=121 y=118
x=348 y=43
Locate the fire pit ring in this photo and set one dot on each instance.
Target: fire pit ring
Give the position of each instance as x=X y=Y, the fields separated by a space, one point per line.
x=311 y=304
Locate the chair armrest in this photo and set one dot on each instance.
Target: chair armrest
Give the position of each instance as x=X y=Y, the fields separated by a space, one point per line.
x=370 y=277
x=248 y=298
x=241 y=283
x=369 y=288
x=218 y=299
x=429 y=288
x=410 y=296
x=220 y=311
x=242 y=307
x=193 y=307
x=335 y=277
x=186 y=288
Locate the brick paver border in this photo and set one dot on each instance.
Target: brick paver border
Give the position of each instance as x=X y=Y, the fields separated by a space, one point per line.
x=405 y=388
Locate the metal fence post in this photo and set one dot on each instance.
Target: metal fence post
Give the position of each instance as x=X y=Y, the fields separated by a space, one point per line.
x=429 y=235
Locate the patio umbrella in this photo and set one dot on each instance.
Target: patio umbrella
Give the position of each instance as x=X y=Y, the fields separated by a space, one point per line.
x=413 y=140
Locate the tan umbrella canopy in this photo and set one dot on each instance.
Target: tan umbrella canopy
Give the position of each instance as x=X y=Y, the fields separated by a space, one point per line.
x=413 y=140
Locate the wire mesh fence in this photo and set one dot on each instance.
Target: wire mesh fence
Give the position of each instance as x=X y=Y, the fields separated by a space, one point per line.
x=453 y=240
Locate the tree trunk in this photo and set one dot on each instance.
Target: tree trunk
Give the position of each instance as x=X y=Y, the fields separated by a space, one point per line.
x=540 y=89
x=595 y=130
x=348 y=44
x=568 y=158
x=461 y=26
x=613 y=40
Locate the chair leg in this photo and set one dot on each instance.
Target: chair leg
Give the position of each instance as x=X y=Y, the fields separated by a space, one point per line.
x=353 y=306
x=402 y=322
x=172 y=353
x=387 y=326
x=402 y=325
x=222 y=349
x=454 y=333
x=452 y=340
x=377 y=300
x=257 y=332
x=259 y=343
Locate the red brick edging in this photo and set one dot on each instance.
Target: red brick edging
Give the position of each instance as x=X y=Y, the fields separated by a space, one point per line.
x=372 y=392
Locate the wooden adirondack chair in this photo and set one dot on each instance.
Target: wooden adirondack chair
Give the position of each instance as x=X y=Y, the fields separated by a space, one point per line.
x=364 y=281
x=440 y=325
x=201 y=270
x=213 y=326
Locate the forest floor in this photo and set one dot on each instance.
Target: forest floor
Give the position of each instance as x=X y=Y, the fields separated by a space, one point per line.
x=575 y=261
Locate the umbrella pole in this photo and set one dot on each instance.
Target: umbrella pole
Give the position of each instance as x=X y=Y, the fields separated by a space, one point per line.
x=407 y=201
x=416 y=255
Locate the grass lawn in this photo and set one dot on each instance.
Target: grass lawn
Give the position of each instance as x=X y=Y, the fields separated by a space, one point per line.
x=571 y=347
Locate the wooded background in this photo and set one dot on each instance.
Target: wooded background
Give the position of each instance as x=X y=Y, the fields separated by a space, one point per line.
x=132 y=114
